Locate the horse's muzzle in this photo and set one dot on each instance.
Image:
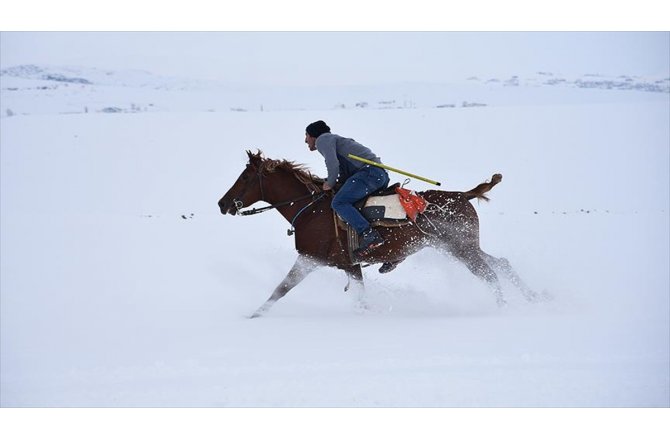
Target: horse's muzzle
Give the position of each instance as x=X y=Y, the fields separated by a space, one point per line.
x=228 y=207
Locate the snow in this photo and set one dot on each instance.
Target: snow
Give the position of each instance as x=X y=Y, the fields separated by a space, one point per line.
x=110 y=298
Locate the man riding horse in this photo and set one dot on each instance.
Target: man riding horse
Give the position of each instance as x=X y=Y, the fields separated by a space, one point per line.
x=451 y=222
x=357 y=179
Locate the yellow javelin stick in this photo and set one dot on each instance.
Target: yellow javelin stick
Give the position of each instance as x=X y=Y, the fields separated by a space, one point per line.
x=381 y=165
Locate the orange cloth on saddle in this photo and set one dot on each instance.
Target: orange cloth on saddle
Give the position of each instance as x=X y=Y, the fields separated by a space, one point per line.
x=413 y=203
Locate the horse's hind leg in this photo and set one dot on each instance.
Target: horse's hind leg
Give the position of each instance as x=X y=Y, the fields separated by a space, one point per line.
x=302 y=267
x=474 y=261
x=502 y=265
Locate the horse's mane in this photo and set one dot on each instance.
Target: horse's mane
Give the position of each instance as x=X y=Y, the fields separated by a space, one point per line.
x=300 y=171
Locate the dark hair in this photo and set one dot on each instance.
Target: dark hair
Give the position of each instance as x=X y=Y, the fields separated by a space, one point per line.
x=316 y=129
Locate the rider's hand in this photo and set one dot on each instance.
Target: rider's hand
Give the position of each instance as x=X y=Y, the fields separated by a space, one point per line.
x=326 y=186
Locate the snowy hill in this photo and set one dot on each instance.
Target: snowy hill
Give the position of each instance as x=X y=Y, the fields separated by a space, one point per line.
x=93 y=76
x=31 y=89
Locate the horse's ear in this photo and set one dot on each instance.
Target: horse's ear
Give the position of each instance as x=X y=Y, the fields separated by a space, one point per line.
x=257 y=155
x=255 y=158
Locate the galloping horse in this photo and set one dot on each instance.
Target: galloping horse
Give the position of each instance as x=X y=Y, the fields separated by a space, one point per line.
x=450 y=222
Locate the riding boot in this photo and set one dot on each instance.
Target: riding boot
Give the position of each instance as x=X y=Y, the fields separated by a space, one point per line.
x=369 y=241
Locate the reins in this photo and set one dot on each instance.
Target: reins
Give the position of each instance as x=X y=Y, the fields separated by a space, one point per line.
x=295 y=217
x=238 y=204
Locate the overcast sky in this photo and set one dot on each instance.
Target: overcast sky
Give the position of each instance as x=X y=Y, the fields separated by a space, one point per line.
x=307 y=58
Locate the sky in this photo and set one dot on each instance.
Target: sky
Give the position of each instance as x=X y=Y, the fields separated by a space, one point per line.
x=344 y=58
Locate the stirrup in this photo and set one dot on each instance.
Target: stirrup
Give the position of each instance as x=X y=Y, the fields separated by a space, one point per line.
x=363 y=252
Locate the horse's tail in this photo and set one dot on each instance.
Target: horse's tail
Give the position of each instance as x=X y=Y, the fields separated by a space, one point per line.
x=479 y=190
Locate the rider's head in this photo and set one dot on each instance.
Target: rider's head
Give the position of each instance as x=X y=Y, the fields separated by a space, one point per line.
x=313 y=131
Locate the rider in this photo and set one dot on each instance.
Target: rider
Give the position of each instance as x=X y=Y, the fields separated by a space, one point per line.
x=358 y=179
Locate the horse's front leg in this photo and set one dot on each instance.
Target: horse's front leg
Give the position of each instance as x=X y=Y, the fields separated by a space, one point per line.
x=302 y=267
x=355 y=273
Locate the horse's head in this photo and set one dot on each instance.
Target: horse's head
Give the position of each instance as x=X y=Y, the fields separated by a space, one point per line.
x=247 y=188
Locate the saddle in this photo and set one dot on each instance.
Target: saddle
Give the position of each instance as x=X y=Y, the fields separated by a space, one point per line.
x=389 y=207
x=381 y=208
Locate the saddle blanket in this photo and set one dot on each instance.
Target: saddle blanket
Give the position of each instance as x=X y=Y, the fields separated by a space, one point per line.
x=384 y=207
x=399 y=206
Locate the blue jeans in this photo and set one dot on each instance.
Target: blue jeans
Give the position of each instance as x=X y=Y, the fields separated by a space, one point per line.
x=363 y=183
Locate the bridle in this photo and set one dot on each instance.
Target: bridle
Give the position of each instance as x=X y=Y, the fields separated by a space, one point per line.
x=313 y=195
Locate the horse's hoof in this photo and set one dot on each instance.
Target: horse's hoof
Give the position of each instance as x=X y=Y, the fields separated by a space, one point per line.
x=388 y=266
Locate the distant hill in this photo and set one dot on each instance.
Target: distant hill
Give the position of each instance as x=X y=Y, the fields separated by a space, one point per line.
x=141 y=78
x=102 y=77
x=39 y=89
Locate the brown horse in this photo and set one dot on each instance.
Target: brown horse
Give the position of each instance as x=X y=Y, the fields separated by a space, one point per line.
x=450 y=223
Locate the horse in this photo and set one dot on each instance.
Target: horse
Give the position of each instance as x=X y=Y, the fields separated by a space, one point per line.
x=449 y=223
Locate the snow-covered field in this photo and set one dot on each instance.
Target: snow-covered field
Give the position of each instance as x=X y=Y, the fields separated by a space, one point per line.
x=122 y=285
